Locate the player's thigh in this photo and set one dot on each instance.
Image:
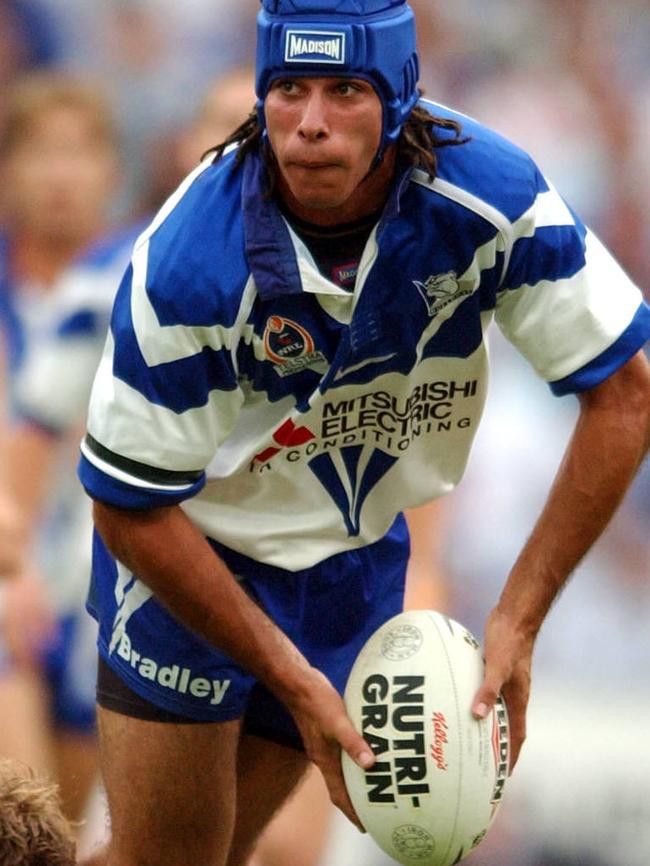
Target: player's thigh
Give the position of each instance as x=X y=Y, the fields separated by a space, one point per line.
x=170 y=790
x=267 y=773
x=298 y=833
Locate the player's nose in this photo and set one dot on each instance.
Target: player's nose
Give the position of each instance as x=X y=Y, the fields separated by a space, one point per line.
x=314 y=124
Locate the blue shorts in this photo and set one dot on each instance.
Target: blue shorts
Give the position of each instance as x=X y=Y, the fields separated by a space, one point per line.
x=328 y=611
x=69 y=665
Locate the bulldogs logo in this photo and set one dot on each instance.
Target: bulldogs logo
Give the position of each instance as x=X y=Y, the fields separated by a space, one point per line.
x=440 y=290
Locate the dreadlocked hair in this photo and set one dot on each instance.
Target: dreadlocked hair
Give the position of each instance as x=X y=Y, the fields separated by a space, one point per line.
x=421 y=135
x=247 y=135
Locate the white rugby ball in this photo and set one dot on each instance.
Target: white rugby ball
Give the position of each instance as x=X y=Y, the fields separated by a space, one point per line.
x=439 y=776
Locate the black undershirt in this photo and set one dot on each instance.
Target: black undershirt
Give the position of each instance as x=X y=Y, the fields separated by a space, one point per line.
x=337 y=250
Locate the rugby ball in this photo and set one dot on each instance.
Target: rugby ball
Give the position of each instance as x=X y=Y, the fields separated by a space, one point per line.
x=439 y=775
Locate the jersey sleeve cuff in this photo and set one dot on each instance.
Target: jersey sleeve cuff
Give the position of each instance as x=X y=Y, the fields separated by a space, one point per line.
x=128 y=484
x=609 y=361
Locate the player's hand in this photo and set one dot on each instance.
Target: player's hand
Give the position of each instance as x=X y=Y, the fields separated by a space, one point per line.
x=326 y=728
x=508 y=659
x=26 y=618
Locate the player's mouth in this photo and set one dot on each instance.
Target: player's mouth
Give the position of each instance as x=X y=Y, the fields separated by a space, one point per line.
x=311 y=165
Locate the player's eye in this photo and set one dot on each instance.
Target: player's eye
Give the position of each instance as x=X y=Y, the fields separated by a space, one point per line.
x=347 y=88
x=286 y=85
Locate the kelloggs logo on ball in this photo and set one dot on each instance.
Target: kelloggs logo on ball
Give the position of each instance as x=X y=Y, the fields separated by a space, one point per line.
x=440 y=740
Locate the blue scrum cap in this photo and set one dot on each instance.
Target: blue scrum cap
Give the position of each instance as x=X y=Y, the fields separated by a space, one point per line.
x=369 y=39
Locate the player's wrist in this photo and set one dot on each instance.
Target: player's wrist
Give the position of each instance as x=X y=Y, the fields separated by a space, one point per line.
x=519 y=621
x=298 y=685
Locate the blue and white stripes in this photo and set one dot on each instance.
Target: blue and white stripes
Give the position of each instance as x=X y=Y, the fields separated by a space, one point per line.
x=294 y=419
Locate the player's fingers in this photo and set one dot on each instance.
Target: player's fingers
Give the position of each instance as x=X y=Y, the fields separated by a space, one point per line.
x=486 y=696
x=341 y=799
x=345 y=738
x=355 y=746
x=515 y=694
x=360 y=752
x=333 y=775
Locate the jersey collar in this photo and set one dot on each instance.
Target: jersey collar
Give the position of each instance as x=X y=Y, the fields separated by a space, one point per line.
x=270 y=251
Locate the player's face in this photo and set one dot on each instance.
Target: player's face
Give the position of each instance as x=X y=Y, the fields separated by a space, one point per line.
x=59 y=178
x=325 y=133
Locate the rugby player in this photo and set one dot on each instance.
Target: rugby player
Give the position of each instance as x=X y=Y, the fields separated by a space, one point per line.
x=297 y=353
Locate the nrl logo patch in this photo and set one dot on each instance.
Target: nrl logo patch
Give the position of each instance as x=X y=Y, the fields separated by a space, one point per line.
x=314 y=46
x=441 y=290
x=289 y=346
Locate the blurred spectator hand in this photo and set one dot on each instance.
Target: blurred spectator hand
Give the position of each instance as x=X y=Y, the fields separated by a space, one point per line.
x=10 y=535
x=26 y=617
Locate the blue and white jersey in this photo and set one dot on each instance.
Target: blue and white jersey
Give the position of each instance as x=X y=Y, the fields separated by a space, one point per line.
x=56 y=372
x=56 y=336
x=293 y=419
x=26 y=311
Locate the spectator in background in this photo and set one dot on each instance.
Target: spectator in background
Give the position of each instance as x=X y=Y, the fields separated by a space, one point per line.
x=33 y=830
x=227 y=99
x=157 y=57
x=28 y=40
x=58 y=173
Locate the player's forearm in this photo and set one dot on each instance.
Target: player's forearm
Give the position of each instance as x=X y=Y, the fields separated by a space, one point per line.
x=168 y=553
x=610 y=440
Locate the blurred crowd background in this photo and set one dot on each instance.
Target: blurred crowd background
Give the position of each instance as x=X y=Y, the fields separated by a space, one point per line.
x=569 y=80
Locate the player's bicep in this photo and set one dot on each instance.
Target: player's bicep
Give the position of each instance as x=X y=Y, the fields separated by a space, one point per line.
x=565 y=302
